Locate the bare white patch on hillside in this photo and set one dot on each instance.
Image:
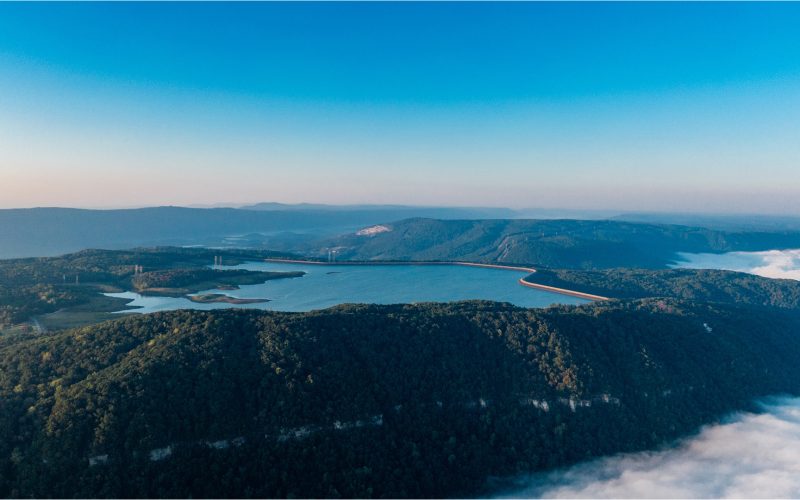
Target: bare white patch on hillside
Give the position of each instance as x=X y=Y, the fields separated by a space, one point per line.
x=373 y=230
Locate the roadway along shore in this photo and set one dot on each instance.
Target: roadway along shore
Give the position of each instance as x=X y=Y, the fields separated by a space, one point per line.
x=522 y=281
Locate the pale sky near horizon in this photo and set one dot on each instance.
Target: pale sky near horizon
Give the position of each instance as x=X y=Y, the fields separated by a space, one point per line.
x=666 y=106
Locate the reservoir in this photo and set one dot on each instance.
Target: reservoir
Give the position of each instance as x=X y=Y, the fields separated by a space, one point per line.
x=328 y=285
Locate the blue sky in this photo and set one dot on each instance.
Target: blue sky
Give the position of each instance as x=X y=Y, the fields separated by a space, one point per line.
x=666 y=106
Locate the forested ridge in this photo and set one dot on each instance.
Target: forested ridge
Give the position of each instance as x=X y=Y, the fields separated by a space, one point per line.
x=365 y=400
x=703 y=285
x=556 y=243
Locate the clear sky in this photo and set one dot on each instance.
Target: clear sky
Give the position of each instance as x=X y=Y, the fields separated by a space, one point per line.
x=666 y=106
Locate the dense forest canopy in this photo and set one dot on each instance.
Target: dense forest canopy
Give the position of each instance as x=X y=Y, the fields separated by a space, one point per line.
x=407 y=400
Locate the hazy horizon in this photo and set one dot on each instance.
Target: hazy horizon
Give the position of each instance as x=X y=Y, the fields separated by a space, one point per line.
x=521 y=212
x=617 y=107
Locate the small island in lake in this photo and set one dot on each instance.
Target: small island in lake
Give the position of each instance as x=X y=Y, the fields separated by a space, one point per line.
x=210 y=298
x=184 y=281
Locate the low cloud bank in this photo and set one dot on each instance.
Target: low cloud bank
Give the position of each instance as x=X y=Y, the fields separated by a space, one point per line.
x=747 y=456
x=770 y=264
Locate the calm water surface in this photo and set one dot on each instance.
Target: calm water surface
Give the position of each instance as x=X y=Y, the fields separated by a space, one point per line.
x=326 y=286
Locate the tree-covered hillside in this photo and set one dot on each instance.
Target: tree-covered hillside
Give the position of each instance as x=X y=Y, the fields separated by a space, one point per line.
x=35 y=286
x=702 y=285
x=407 y=400
x=576 y=244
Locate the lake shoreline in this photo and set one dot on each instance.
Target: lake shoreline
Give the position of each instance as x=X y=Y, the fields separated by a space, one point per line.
x=522 y=281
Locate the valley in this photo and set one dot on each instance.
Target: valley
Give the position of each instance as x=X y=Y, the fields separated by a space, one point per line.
x=646 y=362
x=399 y=249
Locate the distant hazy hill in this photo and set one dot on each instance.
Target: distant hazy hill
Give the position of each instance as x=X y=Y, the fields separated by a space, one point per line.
x=550 y=243
x=370 y=401
x=395 y=211
x=770 y=223
x=53 y=231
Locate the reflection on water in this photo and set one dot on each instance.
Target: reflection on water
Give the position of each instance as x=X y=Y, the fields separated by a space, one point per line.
x=326 y=286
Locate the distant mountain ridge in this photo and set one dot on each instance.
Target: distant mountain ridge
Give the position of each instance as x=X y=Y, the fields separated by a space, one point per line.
x=444 y=212
x=38 y=232
x=428 y=233
x=737 y=222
